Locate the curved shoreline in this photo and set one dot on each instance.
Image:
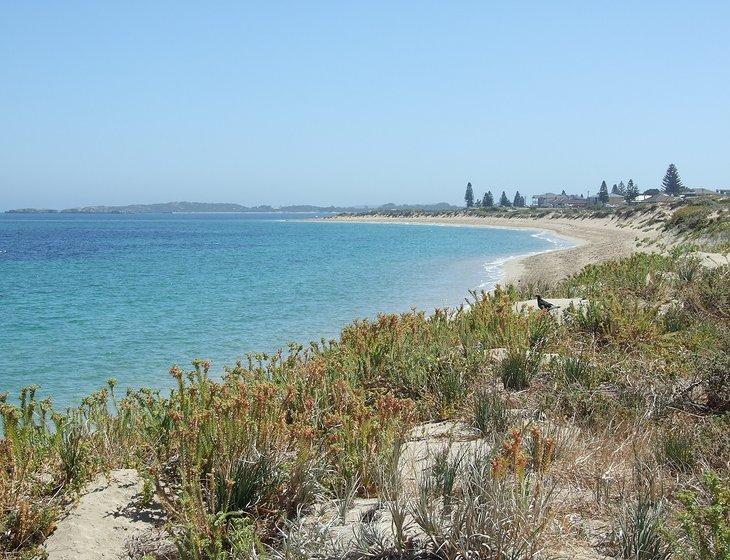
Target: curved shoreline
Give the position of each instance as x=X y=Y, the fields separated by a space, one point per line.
x=594 y=240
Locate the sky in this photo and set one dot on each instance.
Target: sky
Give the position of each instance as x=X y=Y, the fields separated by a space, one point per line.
x=356 y=103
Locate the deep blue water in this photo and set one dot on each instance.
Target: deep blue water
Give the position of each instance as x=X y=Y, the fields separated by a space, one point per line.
x=85 y=297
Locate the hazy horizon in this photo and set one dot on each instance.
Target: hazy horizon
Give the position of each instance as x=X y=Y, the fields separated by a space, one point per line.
x=348 y=105
x=286 y=204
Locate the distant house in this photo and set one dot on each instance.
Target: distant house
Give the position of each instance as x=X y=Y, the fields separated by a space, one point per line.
x=661 y=197
x=723 y=192
x=552 y=200
x=546 y=200
x=616 y=200
x=653 y=198
x=700 y=191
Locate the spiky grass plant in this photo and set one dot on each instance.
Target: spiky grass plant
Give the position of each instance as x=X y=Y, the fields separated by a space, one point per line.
x=444 y=473
x=518 y=368
x=490 y=517
x=639 y=531
x=576 y=369
x=676 y=450
x=490 y=413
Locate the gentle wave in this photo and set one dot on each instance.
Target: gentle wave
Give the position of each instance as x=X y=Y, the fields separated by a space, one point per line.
x=494 y=270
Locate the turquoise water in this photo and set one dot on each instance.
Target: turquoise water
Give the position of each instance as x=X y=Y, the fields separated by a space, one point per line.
x=84 y=297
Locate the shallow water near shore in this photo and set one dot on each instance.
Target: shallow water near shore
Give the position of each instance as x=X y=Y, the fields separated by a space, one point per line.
x=88 y=297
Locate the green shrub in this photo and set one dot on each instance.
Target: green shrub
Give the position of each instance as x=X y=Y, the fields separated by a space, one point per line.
x=676 y=319
x=706 y=520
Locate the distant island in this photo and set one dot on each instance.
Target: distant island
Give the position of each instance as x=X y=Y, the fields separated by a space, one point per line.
x=179 y=207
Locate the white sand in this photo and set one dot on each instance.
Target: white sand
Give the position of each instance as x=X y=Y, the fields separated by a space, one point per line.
x=104 y=519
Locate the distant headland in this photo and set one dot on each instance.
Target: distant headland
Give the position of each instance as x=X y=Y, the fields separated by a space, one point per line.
x=178 y=207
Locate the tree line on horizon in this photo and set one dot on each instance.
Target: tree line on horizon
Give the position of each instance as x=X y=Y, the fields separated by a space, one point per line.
x=671 y=185
x=487 y=200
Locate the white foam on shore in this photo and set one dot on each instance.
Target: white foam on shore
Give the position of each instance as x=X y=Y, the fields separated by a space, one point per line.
x=495 y=269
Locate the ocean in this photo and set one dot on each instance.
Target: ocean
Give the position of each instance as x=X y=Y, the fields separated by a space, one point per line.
x=87 y=297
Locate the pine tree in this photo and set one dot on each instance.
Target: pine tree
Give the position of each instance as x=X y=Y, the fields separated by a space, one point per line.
x=603 y=193
x=563 y=193
x=469 y=196
x=504 y=201
x=632 y=191
x=488 y=200
x=672 y=183
x=519 y=201
x=614 y=189
x=621 y=189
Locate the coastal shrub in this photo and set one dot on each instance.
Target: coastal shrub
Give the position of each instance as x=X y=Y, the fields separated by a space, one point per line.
x=692 y=218
x=705 y=520
x=714 y=370
x=712 y=445
x=541 y=329
x=617 y=320
x=26 y=526
x=676 y=319
x=709 y=295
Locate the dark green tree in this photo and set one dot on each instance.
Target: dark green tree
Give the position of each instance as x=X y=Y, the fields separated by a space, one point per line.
x=519 y=201
x=563 y=193
x=672 y=183
x=614 y=189
x=603 y=193
x=621 y=189
x=469 y=196
x=488 y=200
x=503 y=200
x=632 y=191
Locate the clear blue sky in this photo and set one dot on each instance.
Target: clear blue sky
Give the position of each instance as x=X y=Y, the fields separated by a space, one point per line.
x=308 y=102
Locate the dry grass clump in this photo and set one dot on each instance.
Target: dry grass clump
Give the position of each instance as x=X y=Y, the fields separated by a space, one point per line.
x=240 y=462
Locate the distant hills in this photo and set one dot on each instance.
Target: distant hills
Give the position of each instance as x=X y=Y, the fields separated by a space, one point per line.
x=184 y=207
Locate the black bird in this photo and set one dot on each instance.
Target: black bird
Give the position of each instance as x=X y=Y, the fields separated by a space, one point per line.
x=543 y=304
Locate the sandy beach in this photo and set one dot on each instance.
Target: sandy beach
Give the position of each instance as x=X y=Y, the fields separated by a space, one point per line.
x=594 y=239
